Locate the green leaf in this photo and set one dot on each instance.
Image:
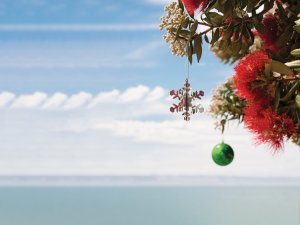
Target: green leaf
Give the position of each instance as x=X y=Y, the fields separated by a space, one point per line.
x=177 y=32
x=259 y=26
x=282 y=14
x=279 y=67
x=267 y=70
x=180 y=4
x=236 y=47
x=251 y=5
x=277 y=99
x=194 y=28
x=228 y=9
x=224 y=44
x=297 y=28
x=285 y=37
x=214 y=18
x=185 y=23
x=291 y=92
x=222 y=2
x=249 y=34
x=185 y=33
x=293 y=64
x=297 y=100
x=206 y=38
x=228 y=32
x=296 y=52
x=215 y=36
x=198 y=47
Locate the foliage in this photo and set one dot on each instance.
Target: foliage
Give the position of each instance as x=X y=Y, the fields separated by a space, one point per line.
x=225 y=105
x=263 y=38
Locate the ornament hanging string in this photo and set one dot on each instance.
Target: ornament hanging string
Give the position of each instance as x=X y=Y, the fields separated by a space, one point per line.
x=186 y=98
x=187 y=69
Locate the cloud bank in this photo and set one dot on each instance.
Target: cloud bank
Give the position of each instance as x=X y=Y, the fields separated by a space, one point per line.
x=61 y=101
x=123 y=132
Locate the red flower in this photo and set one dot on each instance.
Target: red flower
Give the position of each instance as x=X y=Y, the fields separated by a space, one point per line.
x=248 y=71
x=193 y=5
x=271 y=34
x=268 y=126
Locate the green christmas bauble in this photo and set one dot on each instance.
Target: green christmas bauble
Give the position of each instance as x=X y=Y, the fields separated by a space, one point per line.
x=222 y=154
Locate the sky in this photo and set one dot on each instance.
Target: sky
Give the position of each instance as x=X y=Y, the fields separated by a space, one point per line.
x=84 y=91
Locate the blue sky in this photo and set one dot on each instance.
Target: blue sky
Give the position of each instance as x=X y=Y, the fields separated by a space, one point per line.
x=89 y=59
x=83 y=90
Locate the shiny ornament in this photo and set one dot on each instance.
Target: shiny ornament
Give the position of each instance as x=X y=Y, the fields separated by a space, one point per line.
x=222 y=154
x=186 y=98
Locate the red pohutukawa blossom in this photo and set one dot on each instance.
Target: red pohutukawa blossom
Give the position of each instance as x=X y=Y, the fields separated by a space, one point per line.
x=271 y=34
x=268 y=126
x=193 y=5
x=247 y=71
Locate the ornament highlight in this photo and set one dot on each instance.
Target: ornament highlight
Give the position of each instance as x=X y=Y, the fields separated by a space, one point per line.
x=222 y=154
x=186 y=97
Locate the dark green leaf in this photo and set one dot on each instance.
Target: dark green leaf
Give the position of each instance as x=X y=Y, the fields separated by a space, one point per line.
x=279 y=67
x=285 y=37
x=291 y=92
x=180 y=4
x=198 y=47
x=276 y=100
x=206 y=38
x=297 y=100
x=194 y=28
x=185 y=33
x=268 y=70
x=281 y=12
x=215 y=36
x=228 y=32
x=259 y=26
x=251 y=5
x=297 y=28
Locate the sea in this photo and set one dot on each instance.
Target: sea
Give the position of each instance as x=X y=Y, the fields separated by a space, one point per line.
x=45 y=201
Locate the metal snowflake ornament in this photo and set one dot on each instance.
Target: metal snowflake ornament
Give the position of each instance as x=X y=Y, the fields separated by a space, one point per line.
x=186 y=98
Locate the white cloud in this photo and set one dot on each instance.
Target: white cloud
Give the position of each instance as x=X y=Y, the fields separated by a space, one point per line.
x=55 y=101
x=105 y=97
x=77 y=101
x=29 y=101
x=6 y=98
x=134 y=94
x=101 y=134
x=156 y=94
x=83 y=100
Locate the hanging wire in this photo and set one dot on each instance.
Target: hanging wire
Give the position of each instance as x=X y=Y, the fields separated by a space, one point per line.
x=187 y=69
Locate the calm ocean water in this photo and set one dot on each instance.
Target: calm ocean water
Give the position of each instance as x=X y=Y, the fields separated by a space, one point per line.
x=149 y=206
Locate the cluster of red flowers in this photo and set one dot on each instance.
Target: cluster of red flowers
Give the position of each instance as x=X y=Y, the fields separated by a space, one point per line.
x=271 y=34
x=268 y=126
x=193 y=5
